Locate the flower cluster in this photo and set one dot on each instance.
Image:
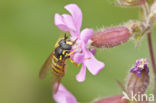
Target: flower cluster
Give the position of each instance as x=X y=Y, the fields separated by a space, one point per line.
x=141 y=65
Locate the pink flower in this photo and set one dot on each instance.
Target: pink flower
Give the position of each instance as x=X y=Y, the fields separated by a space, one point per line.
x=72 y=23
x=64 y=96
x=141 y=65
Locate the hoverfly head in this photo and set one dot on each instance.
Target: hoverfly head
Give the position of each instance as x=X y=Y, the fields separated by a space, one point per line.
x=65 y=44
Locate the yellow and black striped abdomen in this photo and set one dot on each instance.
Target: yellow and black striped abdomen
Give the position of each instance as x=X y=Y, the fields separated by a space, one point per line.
x=58 y=66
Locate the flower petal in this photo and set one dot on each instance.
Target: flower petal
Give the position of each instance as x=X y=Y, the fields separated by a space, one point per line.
x=78 y=57
x=93 y=65
x=64 y=96
x=68 y=20
x=58 y=19
x=86 y=34
x=76 y=14
x=93 y=51
x=81 y=76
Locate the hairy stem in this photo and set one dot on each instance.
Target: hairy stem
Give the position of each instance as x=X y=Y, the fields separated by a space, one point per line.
x=151 y=51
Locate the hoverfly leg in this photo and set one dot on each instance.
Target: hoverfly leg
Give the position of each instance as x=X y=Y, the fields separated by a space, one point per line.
x=76 y=64
x=72 y=52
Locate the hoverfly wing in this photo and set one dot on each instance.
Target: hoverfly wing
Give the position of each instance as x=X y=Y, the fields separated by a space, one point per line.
x=46 y=67
x=55 y=81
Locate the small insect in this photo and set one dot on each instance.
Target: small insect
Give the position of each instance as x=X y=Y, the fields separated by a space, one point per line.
x=56 y=62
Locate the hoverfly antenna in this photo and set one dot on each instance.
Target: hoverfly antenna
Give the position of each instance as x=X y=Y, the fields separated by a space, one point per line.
x=65 y=36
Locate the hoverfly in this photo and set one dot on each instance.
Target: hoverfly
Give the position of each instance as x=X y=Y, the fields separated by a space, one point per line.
x=56 y=62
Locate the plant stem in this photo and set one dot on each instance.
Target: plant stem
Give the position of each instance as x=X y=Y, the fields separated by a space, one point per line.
x=151 y=51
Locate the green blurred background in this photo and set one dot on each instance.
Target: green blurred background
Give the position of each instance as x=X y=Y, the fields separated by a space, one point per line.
x=27 y=37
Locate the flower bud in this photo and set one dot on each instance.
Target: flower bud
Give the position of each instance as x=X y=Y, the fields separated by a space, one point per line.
x=110 y=37
x=138 y=79
x=131 y=2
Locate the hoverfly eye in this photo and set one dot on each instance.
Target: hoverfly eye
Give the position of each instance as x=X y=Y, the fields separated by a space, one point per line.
x=62 y=42
x=66 y=46
x=58 y=52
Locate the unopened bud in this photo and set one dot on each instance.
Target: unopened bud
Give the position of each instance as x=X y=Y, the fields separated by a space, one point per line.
x=138 y=78
x=110 y=37
x=131 y=2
